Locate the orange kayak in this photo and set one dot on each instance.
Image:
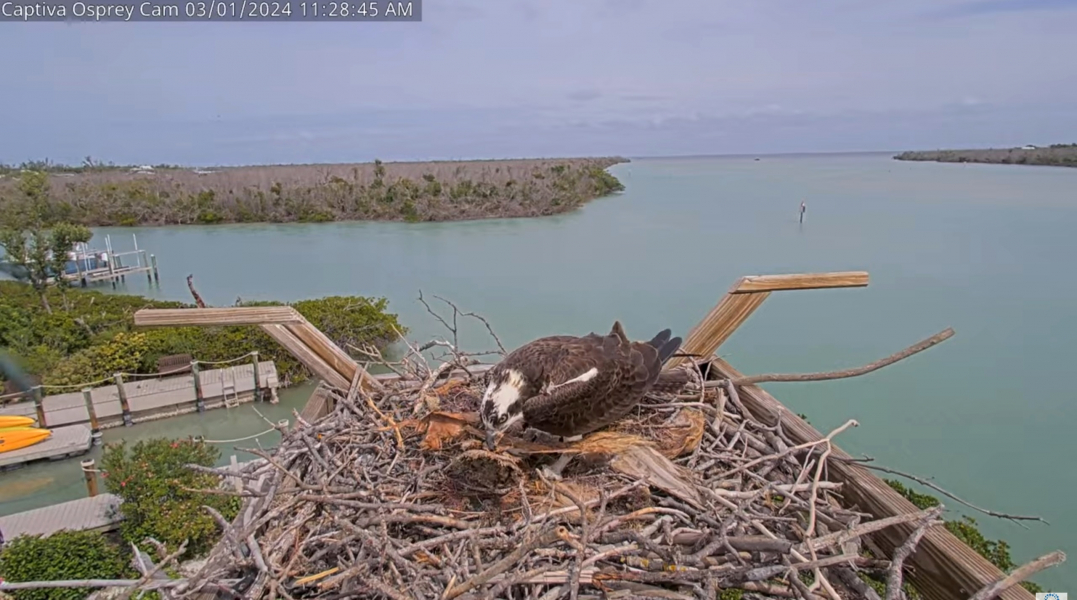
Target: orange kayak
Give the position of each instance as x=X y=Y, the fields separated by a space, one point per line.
x=20 y=437
x=8 y=421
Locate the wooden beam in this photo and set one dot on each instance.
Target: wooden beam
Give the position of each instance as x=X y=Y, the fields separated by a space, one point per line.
x=332 y=354
x=719 y=324
x=944 y=568
x=318 y=405
x=800 y=281
x=284 y=324
x=237 y=315
x=306 y=356
x=744 y=297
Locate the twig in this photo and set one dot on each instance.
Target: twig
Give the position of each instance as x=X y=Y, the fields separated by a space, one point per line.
x=894 y=574
x=940 y=490
x=1020 y=574
x=844 y=373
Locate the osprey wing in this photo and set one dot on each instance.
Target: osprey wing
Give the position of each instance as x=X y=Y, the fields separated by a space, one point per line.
x=576 y=385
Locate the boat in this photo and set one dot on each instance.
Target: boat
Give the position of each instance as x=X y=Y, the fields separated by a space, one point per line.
x=9 y=421
x=16 y=438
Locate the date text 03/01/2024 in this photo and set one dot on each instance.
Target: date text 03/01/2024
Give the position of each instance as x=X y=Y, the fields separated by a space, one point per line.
x=224 y=10
x=307 y=9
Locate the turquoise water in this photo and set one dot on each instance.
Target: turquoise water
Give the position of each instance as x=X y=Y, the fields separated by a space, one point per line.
x=982 y=248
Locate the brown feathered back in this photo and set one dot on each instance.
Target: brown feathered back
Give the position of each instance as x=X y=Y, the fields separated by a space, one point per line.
x=568 y=405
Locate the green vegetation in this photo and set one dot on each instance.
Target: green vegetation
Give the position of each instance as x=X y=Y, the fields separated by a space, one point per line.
x=95 y=194
x=34 y=241
x=160 y=501
x=156 y=489
x=965 y=529
x=93 y=336
x=1056 y=155
x=63 y=555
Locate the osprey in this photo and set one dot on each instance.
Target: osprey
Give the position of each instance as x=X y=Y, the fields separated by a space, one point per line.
x=569 y=386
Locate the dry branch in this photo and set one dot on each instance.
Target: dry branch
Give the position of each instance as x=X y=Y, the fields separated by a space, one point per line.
x=938 y=338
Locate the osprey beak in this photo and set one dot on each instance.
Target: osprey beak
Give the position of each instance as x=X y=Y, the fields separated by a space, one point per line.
x=491 y=439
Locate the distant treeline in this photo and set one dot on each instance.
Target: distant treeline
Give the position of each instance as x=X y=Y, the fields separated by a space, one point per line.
x=97 y=194
x=1055 y=155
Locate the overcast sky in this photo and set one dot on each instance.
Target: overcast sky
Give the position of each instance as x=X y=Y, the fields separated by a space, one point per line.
x=514 y=78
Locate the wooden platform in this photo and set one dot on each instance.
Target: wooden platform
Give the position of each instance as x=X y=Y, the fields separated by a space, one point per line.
x=150 y=398
x=64 y=442
x=98 y=513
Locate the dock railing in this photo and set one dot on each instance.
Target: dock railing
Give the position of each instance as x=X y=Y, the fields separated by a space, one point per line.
x=942 y=567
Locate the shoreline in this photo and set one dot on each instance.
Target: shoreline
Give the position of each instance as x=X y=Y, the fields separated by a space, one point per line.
x=413 y=192
x=1058 y=155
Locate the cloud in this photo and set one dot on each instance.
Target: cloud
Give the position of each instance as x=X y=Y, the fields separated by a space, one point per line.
x=498 y=78
x=986 y=7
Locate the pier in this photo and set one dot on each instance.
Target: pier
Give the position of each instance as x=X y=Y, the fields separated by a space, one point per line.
x=65 y=442
x=88 y=265
x=135 y=398
x=96 y=512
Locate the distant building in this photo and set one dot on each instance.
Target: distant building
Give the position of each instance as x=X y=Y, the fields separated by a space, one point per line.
x=1028 y=147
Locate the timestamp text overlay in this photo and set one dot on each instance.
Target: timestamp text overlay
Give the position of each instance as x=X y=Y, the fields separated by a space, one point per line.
x=212 y=10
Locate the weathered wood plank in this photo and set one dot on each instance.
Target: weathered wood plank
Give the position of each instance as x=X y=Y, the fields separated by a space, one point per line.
x=317 y=406
x=331 y=353
x=944 y=568
x=236 y=315
x=719 y=324
x=300 y=350
x=800 y=281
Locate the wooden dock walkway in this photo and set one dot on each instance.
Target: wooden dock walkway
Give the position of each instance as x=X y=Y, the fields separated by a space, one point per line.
x=71 y=440
x=150 y=399
x=98 y=513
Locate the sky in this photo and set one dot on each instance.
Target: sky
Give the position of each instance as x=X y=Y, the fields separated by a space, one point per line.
x=528 y=78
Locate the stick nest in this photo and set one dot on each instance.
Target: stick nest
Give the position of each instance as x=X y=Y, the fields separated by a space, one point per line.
x=392 y=494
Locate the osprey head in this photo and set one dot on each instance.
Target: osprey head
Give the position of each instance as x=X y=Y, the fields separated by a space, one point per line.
x=503 y=402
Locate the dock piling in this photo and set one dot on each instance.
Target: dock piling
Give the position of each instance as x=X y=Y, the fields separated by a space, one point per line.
x=257 y=377
x=39 y=407
x=95 y=427
x=153 y=263
x=127 y=422
x=236 y=481
x=199 y=397
x=90 y=473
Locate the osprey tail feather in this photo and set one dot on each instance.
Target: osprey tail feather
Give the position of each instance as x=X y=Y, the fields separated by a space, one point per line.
x=671 y=382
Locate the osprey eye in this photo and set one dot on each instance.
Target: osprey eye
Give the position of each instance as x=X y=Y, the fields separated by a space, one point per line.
x=503 y=418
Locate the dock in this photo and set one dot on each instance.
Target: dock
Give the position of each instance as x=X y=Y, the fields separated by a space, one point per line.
x=97 y=513
x=65 y=442
x=89 y=265
x=136 y=399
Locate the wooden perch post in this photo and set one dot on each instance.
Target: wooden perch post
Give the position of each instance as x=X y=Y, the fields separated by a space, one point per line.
x=746 y=295
x=943 y=567
x=284 y=324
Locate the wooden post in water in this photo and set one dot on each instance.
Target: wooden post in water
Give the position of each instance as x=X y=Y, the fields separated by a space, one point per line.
x=153 y=262
x=90 y=474
x=127 y=422
x=199 y=399
x=257 y=378
x=95 y=428
x=39 y=406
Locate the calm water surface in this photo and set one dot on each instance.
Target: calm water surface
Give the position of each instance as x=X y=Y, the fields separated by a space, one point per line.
x=984 y=249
